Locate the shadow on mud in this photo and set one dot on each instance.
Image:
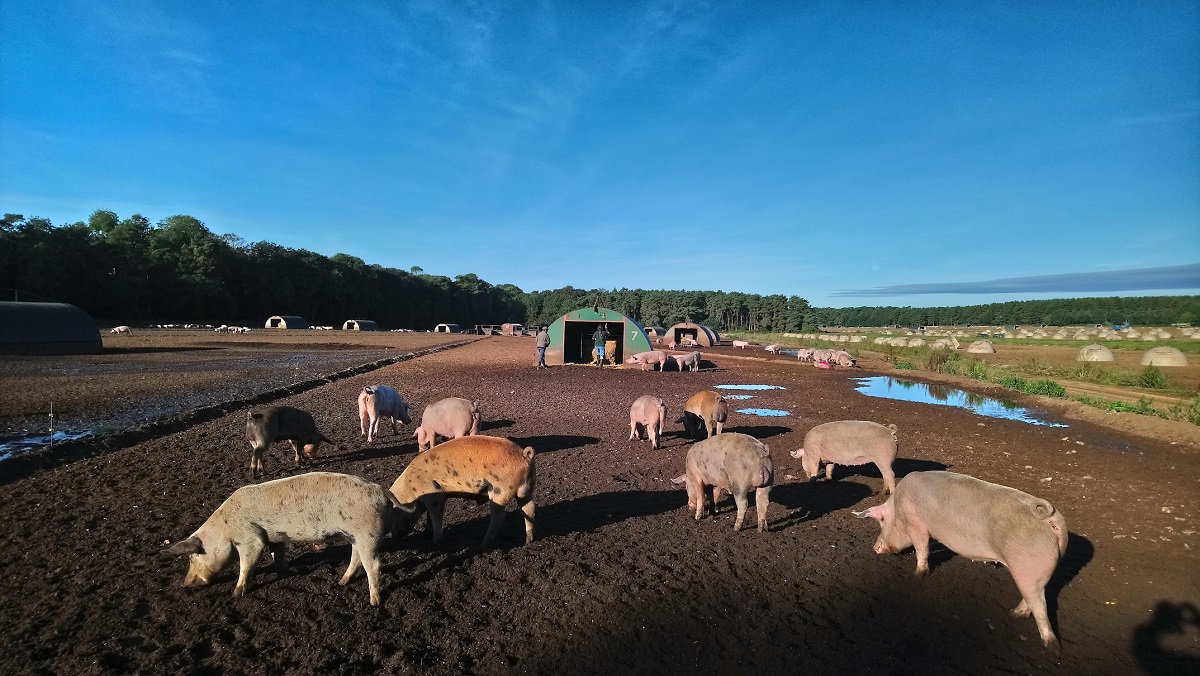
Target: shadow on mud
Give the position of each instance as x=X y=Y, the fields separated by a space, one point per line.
x=548 y=443
x=1169 y=623
x=807 y=501
x=760 y=431
x=495 y=424
x=901 y=467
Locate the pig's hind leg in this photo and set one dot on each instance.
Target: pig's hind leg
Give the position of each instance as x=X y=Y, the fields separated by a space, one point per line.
x=527 y=508
x=740 y=496
x=1032 y=585
x=919 y=534
x=279 y=557
x=494 y=525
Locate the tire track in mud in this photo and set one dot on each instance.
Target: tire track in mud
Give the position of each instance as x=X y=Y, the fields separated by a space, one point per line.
x=21 y=466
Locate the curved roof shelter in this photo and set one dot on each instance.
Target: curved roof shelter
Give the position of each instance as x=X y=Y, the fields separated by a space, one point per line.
x=1164 y=355
x=571 y=336
x=360 y=325
x=982 y=347
x=286 y=322
x=703 y=335
x=47 y=328
x=655 y=331
x=1095 y=352
x=447 y=328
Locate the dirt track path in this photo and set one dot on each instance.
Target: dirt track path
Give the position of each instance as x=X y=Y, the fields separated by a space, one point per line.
x=620 y=579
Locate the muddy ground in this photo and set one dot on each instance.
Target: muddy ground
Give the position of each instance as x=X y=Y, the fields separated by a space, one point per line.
x=620 y=578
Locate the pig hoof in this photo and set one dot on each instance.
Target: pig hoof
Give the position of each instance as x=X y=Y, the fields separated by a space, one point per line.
x=921 y=572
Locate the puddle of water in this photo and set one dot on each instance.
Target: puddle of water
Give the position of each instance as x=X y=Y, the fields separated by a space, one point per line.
x=750 y=387
x=738 y=396
x=25 y=444
x=886 y=387
x=769 y=412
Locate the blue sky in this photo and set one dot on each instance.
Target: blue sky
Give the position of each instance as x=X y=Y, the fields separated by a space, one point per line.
x=857 y=153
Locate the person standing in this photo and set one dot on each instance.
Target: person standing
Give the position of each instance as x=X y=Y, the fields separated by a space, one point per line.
x=600 y=336
x=542 y=342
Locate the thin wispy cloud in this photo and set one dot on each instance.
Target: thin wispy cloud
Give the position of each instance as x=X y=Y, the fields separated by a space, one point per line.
x=1141 y=279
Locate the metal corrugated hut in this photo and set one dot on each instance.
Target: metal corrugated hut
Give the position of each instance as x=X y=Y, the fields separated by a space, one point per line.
x=703 y=335
x=447 y=328
x=1164 y=355
x=360 y=325
x=47 y=328
x=1095 y=352
x=655 y=331
x=571 y=336
x=286 y=322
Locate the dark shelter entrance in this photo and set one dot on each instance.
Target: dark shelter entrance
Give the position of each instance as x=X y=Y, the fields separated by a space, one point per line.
x=690 y=333
x=578 y=341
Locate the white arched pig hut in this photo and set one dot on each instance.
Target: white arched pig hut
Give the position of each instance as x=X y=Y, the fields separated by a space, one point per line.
x=360 y=325
x=702 y=335
x=46 y=328
x=1095 y=352
x=286 y=322
x=447 y=328
x=1164 y=355
x=982 y=347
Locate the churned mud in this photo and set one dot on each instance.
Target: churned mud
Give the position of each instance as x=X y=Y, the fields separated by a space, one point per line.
x=620 y=578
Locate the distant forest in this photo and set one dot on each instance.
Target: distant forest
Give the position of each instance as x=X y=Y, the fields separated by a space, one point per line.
x=177 y=271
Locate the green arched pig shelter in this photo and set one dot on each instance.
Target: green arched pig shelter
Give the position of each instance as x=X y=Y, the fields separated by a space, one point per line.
x=571 y=336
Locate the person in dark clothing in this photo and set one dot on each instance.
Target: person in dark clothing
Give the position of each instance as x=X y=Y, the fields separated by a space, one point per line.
x=600 y=336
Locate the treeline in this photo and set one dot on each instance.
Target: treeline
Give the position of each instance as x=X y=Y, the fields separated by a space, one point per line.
x=1145 y=310
x=178 y=271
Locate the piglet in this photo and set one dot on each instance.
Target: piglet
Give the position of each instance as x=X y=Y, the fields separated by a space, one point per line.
x=311 y=507
x=849 y=442
x=376 y=402
x=647 y=416
x=276 y=423
x=452 y=417
x=482 y=468
x=737 y=463
x=981 y=521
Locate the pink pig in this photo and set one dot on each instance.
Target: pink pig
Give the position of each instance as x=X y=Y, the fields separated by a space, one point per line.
x=647 y=415
x=849 y=442
x=981 y=521
x=649 y=359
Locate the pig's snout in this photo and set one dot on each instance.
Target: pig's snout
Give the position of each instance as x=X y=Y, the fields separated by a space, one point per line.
x=798 y=453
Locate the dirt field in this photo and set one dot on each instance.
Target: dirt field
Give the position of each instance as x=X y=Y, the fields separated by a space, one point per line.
x=620 y=578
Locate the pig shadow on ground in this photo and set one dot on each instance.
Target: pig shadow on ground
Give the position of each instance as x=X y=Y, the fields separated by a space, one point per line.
x=366 y=453
x=590 y=512
x=1079 y=554
x=759 y=431
x=153 y=350
x=807 y=501
x=488 y=425
x=1166 y=620
x=900 y=467
x=548 y=443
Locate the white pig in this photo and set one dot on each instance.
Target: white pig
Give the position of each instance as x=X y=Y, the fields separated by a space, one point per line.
x=311 y=507
x=649 y=359
x=647 y=415
x=981 y=521
x=376 y=402
x=737 y=463
x=743 y=344
x=452 y=417
x=849 y=442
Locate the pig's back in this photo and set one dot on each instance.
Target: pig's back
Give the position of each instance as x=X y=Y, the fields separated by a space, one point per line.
x=851 y=442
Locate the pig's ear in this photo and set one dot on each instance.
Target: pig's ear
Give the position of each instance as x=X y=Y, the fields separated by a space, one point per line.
x=875 y=512
x=192 y=545
x=528 y=452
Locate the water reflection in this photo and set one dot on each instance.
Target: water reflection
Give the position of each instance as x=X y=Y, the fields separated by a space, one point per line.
x=12 y=447
x=738 y=396
x=768 y=412
x=750 y=387
x=887 y=387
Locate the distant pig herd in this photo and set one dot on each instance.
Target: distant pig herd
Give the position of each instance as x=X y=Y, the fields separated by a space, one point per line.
x=974 y=518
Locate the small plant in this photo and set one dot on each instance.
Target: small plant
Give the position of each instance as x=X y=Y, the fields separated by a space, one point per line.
x=939 y=361
x=1047 y=388
x=906 y=366
x=1153 y=379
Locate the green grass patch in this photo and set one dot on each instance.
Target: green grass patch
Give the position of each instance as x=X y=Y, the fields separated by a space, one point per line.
x=906 y=366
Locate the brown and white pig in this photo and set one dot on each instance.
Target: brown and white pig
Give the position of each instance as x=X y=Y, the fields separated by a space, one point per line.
x=452 y=417
x=376 y=402
x=707 y=407
x=689 y=361
x=981 y=521
x=736 y=463
x=647 y=415
x=649 y=359
x=480 y=468
x=313 y=507
x=849 y=442
x=277 y=423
